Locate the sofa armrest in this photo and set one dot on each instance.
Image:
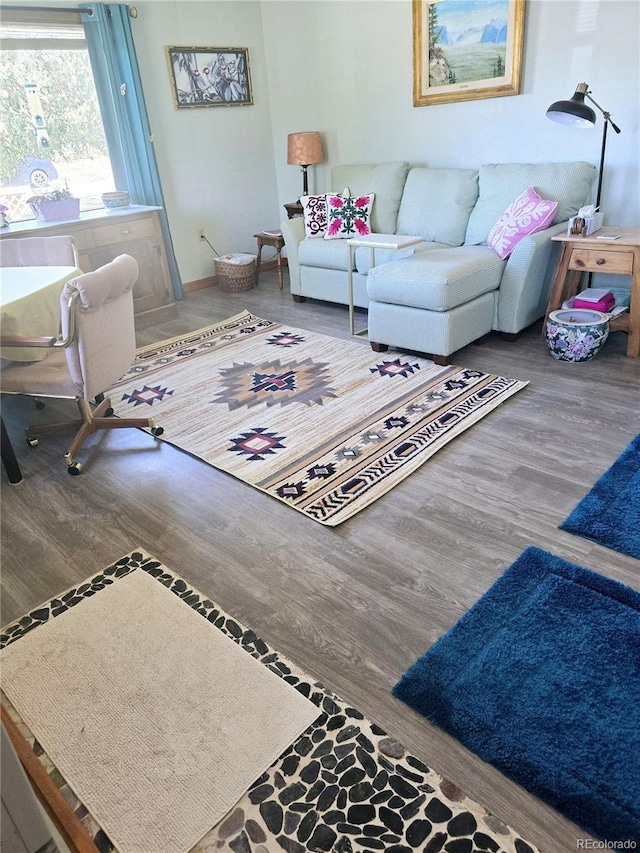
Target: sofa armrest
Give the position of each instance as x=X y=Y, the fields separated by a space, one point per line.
x=526 y=280
x=293 y=233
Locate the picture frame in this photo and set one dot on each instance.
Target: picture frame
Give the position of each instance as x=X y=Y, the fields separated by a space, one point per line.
x=464 y=50
x=209 y=77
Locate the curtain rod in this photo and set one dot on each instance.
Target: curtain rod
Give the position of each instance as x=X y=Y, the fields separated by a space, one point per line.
x=133 y=12
x=48 y=9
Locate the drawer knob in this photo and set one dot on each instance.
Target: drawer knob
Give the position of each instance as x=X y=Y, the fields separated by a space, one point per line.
x=600 y=261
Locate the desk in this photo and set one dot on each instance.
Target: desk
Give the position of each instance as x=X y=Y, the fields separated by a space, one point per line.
x=373 y=242
x=594 y=254
x=30 y=305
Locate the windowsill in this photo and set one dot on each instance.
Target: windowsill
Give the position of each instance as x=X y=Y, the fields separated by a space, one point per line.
x=35 y=225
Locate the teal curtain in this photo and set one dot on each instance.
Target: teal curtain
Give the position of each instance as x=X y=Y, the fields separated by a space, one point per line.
x=112 y=54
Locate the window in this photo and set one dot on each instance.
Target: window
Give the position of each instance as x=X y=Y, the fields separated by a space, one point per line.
x=51 y=132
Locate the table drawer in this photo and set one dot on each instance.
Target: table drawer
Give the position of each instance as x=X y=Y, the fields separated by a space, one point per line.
x=120 y=232
x=593 y=260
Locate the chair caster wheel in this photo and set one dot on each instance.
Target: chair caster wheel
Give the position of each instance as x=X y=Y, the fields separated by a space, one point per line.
x=74 y=469
x=157 y=431
x=108 y=412
x=32 y=441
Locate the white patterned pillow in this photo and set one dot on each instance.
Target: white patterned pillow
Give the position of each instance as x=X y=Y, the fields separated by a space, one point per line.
x=348 y=217
x=526 y=215
x=314 y=210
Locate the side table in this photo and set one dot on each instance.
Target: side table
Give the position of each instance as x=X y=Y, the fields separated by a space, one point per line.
x=600 y=253
x=373 y=242
x=294 y=208
x=276 y=241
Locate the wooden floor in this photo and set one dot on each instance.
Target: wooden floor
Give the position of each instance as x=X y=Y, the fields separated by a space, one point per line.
x=354 y=605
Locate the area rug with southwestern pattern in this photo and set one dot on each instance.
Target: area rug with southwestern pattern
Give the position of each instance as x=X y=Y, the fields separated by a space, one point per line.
x=324 y=425
x=342 y=784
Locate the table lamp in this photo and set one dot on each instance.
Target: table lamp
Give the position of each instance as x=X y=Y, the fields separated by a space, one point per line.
x=576 y=113
x=304 y=149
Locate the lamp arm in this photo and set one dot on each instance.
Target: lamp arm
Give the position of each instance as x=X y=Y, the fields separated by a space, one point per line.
x=607 y=116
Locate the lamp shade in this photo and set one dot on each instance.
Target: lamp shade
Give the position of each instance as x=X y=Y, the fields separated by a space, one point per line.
x=304 y=149
x=574 y=111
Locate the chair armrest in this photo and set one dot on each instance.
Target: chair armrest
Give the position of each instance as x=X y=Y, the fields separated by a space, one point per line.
x=17 y=341
x=524 y=289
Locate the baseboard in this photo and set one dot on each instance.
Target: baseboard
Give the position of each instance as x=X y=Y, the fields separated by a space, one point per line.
x=272 y=265
x=210 y=281
x=199 y=284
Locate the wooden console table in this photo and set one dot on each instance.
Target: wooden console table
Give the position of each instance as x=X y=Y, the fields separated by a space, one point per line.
x=100 y=235
x=598 y=254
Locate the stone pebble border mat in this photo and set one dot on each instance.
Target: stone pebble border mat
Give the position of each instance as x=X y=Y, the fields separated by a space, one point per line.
x=344 y=786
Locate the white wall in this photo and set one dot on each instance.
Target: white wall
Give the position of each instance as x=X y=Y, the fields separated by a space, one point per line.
x=347 y=72
x=344 y=68
x=216 y=163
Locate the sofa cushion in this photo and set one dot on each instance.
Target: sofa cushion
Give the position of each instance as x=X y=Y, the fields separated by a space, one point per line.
x=348 y=217
x=334 y=254
x=383 y=256
x=331 y=254
x=386 y=181
x=526 y=215
x=436 y=204
x=437 y=280
x=570 y=184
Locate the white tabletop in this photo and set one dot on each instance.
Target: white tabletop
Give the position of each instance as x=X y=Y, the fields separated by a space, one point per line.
x=30 y=305
x=384 y=241
x=20 y=282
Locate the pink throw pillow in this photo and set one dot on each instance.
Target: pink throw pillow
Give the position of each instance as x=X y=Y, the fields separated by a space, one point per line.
x=526 y=215
x=348 y=217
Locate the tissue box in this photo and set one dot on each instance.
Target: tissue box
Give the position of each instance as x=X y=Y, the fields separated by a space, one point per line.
x=592 y=223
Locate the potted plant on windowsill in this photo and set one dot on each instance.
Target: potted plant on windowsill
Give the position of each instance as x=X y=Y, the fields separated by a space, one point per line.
x=54 y=205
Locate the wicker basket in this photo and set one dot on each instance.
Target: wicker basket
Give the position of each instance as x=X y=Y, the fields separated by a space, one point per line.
x=235 y=277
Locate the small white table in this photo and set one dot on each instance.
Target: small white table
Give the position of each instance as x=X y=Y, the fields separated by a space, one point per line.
x=373 y=242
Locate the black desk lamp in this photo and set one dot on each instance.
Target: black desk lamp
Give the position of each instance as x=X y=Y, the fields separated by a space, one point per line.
x=578 y=114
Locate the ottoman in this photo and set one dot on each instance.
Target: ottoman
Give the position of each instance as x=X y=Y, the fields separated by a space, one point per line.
x=434 y=302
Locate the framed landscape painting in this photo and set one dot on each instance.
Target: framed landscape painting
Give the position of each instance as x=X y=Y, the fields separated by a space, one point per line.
x=464 y=50
x=209 y=76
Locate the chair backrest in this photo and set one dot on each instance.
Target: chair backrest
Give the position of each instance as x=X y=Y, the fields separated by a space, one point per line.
x=38 y=252
x=100 y=305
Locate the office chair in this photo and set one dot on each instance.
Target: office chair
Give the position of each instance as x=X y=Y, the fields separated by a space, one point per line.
x=38 y=252
x=96 y=348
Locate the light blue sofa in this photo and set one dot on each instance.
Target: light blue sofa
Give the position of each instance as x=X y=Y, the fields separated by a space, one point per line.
x=452 y=288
